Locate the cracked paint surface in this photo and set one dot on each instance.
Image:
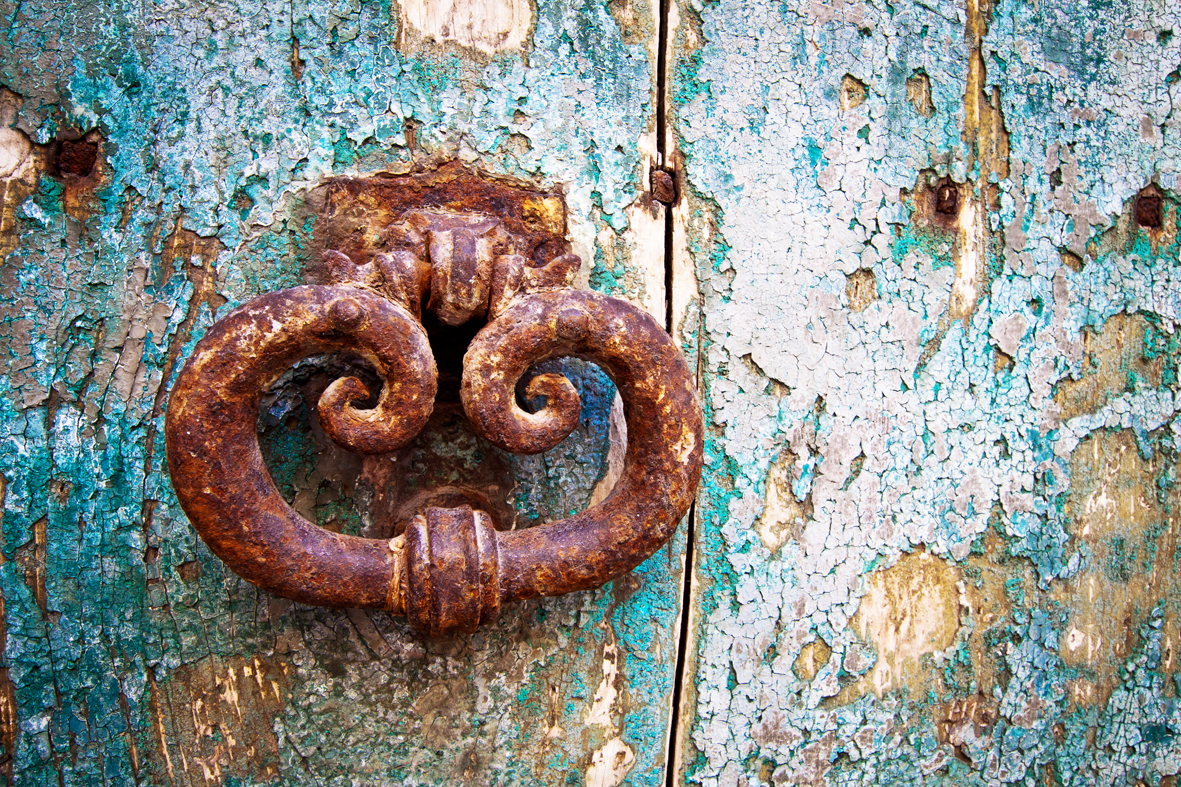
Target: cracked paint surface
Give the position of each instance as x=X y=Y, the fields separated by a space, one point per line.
x=936 y=541
x=937 y=537
x=130 y=654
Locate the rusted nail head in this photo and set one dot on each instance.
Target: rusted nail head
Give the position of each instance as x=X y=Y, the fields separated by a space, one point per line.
x=1149 y=212
x=76 y=157
x=572 y=323
x=347 y=314
x=664 y=186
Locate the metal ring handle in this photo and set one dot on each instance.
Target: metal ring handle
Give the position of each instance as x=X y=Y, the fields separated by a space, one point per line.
x=664 y=428
x=214 y=459
x=450 y=570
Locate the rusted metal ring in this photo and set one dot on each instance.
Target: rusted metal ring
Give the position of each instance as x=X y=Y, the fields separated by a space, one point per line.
x=664 y=433
x=214 y=459
x=450 y=570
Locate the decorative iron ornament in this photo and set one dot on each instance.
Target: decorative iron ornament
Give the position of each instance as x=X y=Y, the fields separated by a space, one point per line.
x=450 y=570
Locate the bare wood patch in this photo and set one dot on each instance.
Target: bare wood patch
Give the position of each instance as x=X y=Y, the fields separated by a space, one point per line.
x=214 y=720
x=21 y=165
x=488 y=26
x=784 y=515
x=1129 y=537
x=962 y=722
x=918 y=93
x=812 y=659
x=861 y=287
x=1113 y=359
x=984 y=121
x=853 y=92
x=909 y=610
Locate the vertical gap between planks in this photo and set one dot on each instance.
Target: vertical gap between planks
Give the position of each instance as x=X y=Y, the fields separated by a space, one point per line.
x=662 y=152
x=673 y=759
x=664 y=160
x=662 y=45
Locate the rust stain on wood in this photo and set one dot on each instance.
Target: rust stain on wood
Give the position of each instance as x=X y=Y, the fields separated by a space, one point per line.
x=31 y=558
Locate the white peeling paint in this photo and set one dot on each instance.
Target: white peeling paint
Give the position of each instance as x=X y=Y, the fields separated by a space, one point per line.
x=14 y=152
x=600 y=710
x=487 y=25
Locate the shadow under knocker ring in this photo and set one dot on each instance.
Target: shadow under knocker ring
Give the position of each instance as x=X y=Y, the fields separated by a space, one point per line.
x=450 y=570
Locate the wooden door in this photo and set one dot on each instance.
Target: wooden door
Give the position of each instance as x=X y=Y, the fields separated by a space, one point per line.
x=160 y=158
x=936 y=252
x=923 y=258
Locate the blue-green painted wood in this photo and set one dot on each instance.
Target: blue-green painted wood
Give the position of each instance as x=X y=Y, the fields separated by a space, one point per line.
x=937 y=539
x=133 y=656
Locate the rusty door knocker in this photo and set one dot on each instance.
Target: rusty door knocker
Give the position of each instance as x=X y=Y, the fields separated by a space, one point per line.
x=450 y=570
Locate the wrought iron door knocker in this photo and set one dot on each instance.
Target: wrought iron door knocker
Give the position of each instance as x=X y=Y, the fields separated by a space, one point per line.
x=450 y=570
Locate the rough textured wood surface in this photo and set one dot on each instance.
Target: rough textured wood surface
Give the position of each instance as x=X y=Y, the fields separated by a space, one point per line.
x=924 y=256
x=938 y=264
x=156 y=161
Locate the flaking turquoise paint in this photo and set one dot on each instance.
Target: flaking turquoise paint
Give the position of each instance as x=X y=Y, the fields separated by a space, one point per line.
x=958 y=447
x=207 y=126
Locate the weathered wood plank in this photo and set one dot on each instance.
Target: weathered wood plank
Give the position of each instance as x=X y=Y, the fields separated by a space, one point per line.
x=131 y=655
x=937 y=539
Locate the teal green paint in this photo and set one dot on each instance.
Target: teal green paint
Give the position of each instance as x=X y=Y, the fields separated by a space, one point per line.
x=603 y=277
x=936 y=246
x=687 y=85
x=815 y=154
x=936 y=413
x=205 y=119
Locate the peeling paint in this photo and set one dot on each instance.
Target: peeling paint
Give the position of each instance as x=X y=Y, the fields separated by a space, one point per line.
x=210 y=126
x=924 y=256
x=906 y=478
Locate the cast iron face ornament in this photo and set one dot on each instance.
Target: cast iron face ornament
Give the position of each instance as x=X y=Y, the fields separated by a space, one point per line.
x=450 y=570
